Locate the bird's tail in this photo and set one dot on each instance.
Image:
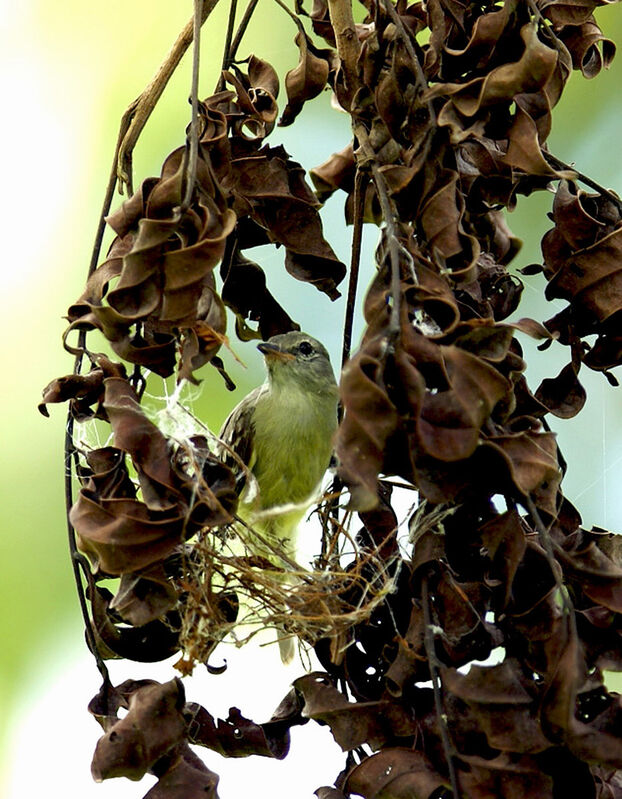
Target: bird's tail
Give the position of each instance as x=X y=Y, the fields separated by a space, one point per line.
x=285 y=533
x=287 y=647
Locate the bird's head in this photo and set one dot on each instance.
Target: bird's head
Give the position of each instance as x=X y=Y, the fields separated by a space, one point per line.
x=298 y=360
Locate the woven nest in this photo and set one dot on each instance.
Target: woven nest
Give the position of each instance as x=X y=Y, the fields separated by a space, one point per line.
x=232 y=592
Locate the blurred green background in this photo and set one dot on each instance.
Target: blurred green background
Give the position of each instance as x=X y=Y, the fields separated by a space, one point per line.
x=68 y=72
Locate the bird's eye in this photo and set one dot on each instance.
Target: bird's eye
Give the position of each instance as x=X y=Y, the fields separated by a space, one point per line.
x=305 y=348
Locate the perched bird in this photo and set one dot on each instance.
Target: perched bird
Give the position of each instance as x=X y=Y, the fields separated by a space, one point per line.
x=282 y=432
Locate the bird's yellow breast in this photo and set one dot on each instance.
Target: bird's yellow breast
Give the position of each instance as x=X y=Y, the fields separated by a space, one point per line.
x=292 y=447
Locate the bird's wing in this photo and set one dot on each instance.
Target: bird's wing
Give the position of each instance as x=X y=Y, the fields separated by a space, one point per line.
x=238 y=432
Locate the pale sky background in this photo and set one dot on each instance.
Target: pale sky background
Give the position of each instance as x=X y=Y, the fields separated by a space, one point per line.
x=68 y=71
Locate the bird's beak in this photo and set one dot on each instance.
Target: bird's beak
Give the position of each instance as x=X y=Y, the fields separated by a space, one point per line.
x=273 y=352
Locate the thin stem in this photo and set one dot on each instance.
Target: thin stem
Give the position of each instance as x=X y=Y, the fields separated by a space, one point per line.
x=231 y=47
x=193 y=156
x=405 y=36
x=140 y=110
x=546 y=28
x=112 y=184
x=389 y=215
x=77 y=560
x=557 y=163
x=293 y=16
x=360 y=183
x=250 y=9
x=428 y=641
x=226 y=55
x=348 y=45
x=547 y=545
x=328 y=513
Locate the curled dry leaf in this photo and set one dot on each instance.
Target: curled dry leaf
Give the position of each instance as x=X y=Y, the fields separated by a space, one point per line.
x=150 y=642
x=307 y=79
x=528 y=74
x=82 y=391
x=352 y=723
x=395 y=772
x=154 y=724
x=186 y=778
x=508 y=775
x=328 y=792
x=500 y=700
x=145 y=596
x=335 y=173
x=590 y=50
x=122 y=533
x=237 y=736
x=244 y=290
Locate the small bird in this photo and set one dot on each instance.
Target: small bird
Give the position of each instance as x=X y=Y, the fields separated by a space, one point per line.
x=282 y=432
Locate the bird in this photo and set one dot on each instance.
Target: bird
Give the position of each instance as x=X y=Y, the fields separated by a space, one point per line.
x=282 y=431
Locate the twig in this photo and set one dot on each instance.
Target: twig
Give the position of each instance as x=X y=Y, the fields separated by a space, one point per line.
x=547 y=545
x=328 y=513
x=77 y=560
x=348 y=45
x=193 y=155
x=231 y=49
x=360 y=183
x=428 y=641
x=557 y=163
x=137 y=114
x=297 y=21
x=112 y=184
x=227 y=56
x=401 y=28
x=547 y=28
x=250 y=9
x=389 y=214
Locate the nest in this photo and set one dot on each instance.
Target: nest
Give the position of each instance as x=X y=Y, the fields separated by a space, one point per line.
x=232 y=592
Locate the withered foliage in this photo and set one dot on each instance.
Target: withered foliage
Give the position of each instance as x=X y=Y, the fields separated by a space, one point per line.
x=451 y=106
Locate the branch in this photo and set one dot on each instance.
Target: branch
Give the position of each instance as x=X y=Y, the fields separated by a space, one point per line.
x=250 y=9
x=348 y=46
x=231 y=47
x=360 y=184
x=136 y=116
x=404 y=34
x=389 y=214
x=558 y=164
x=428 y=642
x=227 y=57
x=193 y=154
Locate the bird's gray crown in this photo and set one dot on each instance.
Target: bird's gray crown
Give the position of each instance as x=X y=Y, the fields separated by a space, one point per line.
x=300 y=358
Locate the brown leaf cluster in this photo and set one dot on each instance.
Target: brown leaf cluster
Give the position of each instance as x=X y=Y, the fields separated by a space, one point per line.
x=155 y=298
x=448 y=414
x=581 y=265
x=158 y=726
x=532 y=721
x=141 y=499
x=122 y=533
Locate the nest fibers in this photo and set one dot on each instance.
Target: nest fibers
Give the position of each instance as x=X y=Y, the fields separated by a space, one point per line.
x=231 y=591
